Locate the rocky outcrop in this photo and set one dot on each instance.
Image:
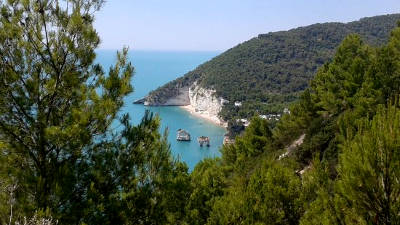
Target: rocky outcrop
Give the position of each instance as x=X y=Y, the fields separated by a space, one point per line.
x=205 y=102
x=198 y=100
x=140 y=101
x=182 y=135
x=293 y=146
x=181 y=98
x=178 y=96
x=228 y=140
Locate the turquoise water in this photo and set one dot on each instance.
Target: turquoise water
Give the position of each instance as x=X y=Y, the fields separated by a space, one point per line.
x=153 y=69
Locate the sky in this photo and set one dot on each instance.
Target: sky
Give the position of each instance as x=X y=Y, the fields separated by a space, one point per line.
x=217 y=25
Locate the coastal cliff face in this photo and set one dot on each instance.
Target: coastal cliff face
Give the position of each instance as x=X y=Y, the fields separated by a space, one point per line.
x=179 y=96
x=198 y=100
x=205 y=102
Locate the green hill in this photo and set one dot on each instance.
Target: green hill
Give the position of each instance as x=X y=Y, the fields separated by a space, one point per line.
x=270 y=70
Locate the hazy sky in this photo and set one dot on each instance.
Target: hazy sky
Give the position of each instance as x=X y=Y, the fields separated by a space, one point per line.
x=219 y=24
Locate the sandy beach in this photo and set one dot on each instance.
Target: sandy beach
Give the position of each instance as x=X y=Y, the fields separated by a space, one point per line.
x=204 y=115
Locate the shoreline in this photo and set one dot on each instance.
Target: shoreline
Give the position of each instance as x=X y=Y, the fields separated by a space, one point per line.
x=212 y=119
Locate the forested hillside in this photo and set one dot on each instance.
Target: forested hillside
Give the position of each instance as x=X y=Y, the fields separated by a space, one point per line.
x=345 y=165
x=274 y=68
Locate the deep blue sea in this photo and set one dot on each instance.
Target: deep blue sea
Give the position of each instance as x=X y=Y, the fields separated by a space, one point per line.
x=153 y=69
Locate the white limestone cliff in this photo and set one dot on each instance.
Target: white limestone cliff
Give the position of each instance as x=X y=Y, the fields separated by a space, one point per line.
x=197 y=100
x=205 y=103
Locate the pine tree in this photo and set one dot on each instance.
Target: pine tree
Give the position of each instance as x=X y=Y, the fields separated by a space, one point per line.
x=54 y=101
x=208 y=183
x=270 y=196
x=132 y=179
x=369 y=169
x=337 y=85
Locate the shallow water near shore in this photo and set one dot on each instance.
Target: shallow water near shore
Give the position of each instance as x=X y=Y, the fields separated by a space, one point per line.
x=153 y=69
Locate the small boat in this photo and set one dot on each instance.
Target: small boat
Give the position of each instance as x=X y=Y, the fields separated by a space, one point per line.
x=204 y=140
x=182 y=135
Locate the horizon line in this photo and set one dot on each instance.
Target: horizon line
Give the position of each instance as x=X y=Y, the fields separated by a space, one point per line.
x=162 y=50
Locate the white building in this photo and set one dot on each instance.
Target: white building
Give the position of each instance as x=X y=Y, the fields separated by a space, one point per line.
x=271 y=117
x=224 y=101
x=264 y=117
x=245 y=122
x=286 y=111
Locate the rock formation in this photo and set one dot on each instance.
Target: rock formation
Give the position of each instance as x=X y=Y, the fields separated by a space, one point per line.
x=204 y=102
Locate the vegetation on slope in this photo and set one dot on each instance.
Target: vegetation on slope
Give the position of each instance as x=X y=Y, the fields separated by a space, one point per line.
x=59 y=157
x=347 y=169
x=267 y=72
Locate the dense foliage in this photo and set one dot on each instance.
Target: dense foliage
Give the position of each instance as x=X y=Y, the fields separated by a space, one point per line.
x=60 y=155
x=269 y=71
x=345 y=170
x=334 y=160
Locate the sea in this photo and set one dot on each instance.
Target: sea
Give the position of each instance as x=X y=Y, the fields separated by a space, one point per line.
x=152 y=70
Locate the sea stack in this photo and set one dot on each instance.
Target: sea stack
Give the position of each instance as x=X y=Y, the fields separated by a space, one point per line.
x=204 y=140
x=182 y=135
